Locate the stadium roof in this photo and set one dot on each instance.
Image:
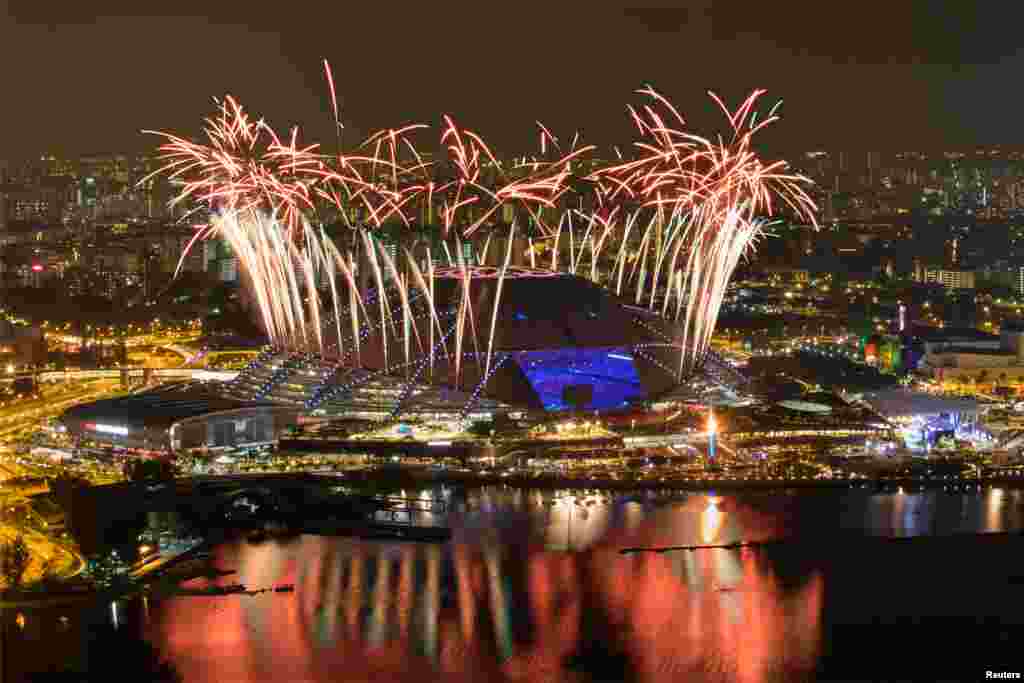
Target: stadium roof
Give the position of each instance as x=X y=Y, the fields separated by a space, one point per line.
x=158 y=407
x=903 y=403
x=968 y=350
x=806 y=406
x=952 y=334
x=551 y=333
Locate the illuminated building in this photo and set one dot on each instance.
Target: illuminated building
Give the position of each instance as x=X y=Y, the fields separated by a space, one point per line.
x=559 y=343
x=178 y=417
x=952 y=279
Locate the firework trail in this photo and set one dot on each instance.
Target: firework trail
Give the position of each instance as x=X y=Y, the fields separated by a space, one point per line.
x=675 y=219
x=243 y=166
x=705 y=200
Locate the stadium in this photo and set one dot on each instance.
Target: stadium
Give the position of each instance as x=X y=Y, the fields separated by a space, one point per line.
x=553 y=342
x=175 y=417
x=559 y=343
x=466 y=337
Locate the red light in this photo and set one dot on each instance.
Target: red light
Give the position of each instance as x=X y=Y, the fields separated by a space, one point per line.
x=37 y=268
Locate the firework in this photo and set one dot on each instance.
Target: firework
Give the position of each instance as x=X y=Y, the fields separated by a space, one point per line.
x=704 y=204
x=674 y=221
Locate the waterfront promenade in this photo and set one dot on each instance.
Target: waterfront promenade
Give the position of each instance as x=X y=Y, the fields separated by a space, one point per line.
x=668 y=483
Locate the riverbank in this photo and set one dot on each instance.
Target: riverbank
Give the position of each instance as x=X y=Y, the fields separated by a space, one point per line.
x=50 y=558
x=412 y=477
x=136 y=581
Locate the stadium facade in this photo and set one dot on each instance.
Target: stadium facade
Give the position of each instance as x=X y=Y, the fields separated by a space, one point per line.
x=175 y=417
x=559 y=343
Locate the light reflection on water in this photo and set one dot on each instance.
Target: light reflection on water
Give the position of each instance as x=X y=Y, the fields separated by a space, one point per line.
x=503 y=600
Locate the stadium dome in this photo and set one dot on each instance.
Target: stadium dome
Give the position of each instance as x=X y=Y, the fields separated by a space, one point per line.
x=806 y=406
x=559 y=342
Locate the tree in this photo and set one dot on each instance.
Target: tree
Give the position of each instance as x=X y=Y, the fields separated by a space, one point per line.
x=150 y=469
x=480 y=428
x=14 y=560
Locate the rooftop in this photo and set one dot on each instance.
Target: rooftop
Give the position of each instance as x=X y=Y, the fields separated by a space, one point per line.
x=903 y=403
x=163 y=405
x=978 y=352
x=949 y=334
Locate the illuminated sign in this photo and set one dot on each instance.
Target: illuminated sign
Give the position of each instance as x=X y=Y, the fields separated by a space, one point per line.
x=36 y=268
x=107 y=429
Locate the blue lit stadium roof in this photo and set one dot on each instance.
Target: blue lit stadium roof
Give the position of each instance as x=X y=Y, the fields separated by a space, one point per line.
x=557 y=340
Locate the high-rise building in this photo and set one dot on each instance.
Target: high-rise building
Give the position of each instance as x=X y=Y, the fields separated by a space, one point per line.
x=3 y=213
x=228 y=269
x=952 y=279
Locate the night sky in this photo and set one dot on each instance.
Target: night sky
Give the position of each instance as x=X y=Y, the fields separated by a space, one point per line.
x=853 y=75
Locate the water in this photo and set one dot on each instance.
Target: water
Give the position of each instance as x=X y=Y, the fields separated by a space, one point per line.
x=533 y=587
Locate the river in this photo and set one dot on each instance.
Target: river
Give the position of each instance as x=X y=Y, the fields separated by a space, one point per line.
x=852 y=585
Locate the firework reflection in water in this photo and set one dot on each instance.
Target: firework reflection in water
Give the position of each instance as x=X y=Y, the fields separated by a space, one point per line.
x=494 y=604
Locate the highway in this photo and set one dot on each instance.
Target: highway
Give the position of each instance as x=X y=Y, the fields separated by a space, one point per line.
x=23 y=416
x=66 y=563
x=42 y=549
x=14 y=419
x=134 y=372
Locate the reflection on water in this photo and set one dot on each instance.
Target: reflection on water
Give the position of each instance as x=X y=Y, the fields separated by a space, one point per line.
x=905 y=514
x=504 y=600
x=711 y=521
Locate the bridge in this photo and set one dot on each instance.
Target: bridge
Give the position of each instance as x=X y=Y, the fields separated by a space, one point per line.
x=723 y=371
x=1011 y=440
x=166 y=373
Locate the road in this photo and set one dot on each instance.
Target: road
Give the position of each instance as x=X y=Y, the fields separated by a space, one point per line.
x=16 y=418
x=165 y=373
x=19 y=417
x=42 y=548
x=67 y=563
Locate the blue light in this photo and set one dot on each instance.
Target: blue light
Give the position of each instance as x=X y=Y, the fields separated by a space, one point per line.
x=550 y=372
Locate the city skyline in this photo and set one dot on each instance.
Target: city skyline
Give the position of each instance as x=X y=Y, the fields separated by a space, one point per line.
x=608 y=342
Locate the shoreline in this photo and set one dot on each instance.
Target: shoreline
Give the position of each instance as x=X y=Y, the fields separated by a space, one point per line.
x=407 y=478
